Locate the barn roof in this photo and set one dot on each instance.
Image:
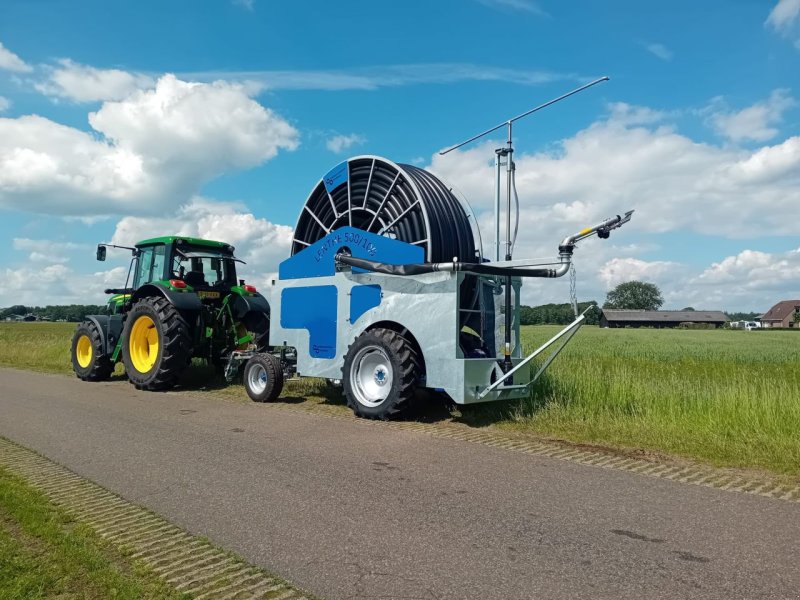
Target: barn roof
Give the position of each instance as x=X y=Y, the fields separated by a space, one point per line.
x=681 y=316
x=781 y=310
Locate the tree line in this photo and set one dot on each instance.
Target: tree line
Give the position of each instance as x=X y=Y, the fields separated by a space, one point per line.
x=73 y=312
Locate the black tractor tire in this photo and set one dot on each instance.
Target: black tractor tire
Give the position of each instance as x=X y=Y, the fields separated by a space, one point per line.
x=263 y=377
x=89 y=359
x=156 y=344
x=380 y=373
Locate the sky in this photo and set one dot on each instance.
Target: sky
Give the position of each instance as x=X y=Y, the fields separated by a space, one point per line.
x=121 y=121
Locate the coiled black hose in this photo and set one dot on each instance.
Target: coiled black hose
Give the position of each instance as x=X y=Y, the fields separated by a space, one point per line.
x=400 y=201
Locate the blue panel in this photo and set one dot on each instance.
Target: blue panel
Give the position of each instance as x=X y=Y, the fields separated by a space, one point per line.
x=336 y=176
x=312 y=308
x=363 y=298
x=318 y=259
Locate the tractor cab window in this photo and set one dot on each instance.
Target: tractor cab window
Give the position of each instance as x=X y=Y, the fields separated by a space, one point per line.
x=143 y=267
x=204 y=267
x=150 y=266
x=157 y=270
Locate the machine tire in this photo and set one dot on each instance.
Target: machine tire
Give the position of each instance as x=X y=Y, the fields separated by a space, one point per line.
x=263 y=377
x=380 y=374
x=89 y=359
x=156 y=344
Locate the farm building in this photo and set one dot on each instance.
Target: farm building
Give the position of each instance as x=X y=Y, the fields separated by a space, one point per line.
x=783 y=314
x=660 y=318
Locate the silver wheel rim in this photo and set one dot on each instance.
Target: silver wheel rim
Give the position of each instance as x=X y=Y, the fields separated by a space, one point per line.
x=257 y=378
x=371 y=376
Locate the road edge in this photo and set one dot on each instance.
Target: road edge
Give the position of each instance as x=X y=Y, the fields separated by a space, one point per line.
x=189 y=564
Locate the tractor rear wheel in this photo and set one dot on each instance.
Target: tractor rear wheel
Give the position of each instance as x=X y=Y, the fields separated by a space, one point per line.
x=89 y=359
x=380 y=374
x=157 y=345
x=263 y=377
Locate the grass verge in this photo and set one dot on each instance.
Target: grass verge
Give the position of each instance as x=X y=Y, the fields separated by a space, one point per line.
x=46 y=554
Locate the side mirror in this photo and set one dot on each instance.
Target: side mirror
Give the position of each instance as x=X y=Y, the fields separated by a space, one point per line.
x=101 y=252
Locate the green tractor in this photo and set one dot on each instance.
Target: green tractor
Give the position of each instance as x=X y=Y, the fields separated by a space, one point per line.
x=184 y=302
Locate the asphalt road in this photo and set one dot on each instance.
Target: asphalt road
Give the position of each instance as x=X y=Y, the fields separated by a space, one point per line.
x=352 y=510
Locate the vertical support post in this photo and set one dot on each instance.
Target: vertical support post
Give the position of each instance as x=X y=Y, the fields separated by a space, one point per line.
x=508 y=304
x=497 y=163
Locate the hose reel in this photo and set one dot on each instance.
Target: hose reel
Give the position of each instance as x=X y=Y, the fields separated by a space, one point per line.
x=399 y=201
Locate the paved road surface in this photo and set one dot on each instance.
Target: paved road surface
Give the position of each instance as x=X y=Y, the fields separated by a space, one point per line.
x=353 y=510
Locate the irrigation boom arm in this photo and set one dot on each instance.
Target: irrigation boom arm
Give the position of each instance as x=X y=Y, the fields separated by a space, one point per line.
x=502 y=269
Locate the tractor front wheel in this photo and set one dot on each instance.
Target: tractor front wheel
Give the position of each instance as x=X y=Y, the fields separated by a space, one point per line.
x=263 y=377
x=89 y=359
x=157 y=345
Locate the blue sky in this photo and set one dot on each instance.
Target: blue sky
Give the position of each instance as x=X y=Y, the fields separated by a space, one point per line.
x=218 y=118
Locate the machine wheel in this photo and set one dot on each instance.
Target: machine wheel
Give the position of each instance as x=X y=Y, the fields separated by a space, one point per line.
x=157 y=345
x=380 y=374
x=89 y=359
x=263 y=378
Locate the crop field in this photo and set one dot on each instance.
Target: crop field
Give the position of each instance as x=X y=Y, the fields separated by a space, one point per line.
x=730 y=398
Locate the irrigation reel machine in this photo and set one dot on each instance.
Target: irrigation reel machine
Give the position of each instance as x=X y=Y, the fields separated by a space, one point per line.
x=388 y=290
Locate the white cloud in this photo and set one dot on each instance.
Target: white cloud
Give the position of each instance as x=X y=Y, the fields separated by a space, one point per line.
x=150 y=151
x=672 y=181
x=340 y=143
x=527 y=6
x=620 y=270
x=784 y=14
x=246 y=4
x=11 y=62
x=47 y=250
x=756 y=122
x=385 y=76
x=259 y=242
x=750 y=279
x=5 y=104
x=634 y=159
x=628 y=114
x=36 y=285
x=659 y=51
x=82 y=83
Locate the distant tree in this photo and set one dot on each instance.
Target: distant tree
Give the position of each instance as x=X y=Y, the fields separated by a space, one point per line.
x=71 y=312
x=635 y=295
x=17 y=309
x=688 y=309
x=556 y=314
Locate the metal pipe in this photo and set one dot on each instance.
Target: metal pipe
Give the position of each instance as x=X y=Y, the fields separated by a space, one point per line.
x=525 y=114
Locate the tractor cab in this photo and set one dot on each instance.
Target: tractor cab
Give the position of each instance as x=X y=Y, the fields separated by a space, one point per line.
x=186 y=265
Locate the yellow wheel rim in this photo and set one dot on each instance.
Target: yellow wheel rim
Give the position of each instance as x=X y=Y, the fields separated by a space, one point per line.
x=143 y=344
x=84 y=351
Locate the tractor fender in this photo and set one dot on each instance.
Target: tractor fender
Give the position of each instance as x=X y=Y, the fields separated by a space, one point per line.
x=110 y=328
x=101 y=321
x=180 y=300
x=242 y=305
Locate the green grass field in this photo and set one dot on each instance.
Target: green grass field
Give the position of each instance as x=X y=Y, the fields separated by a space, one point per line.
x=727 y=397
